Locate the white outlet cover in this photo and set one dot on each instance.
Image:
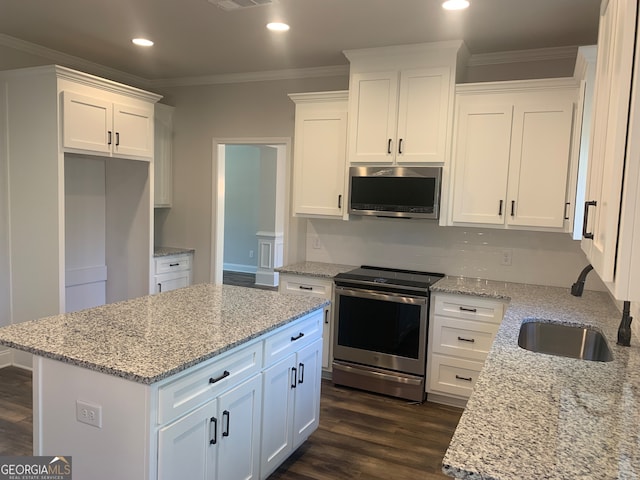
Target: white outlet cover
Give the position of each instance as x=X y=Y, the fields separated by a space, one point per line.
x=89 y=413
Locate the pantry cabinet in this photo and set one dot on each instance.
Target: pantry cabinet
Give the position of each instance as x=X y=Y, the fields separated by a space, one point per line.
x=612 y=207
x=401 y=103
x=102 y=127
x=320 y=154
x=461 y=331
x=512 y=154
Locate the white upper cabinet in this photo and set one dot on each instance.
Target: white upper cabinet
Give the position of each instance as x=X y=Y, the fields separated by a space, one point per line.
x=319 y=154
x=612 y=205
x=163 y=156
x=94 y=124
x=512 y=154
x=401 y=103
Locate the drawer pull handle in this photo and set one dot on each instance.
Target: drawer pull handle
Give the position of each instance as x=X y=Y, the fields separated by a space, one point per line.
x=466 y=309
x=225 y=374
x=213 y=426
x=174 y=264
x=470 y=340
x=298 y=337
x=294 y=377
x=117 y=139
x=226 y=414
x=304 y=287
x=466 y=379
x=301 y=373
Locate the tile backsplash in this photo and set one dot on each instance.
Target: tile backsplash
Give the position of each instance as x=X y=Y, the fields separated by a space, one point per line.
x=535 y=257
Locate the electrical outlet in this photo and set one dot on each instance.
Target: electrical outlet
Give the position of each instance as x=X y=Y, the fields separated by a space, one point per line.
x=316 y=243
x=250 y=253
x=89 y=413
x=506 y=257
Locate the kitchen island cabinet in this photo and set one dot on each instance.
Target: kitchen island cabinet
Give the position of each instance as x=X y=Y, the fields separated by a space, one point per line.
x=167 y=381
x=533 y=415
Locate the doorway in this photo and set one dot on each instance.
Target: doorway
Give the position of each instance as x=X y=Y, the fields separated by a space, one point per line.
x=249 y=207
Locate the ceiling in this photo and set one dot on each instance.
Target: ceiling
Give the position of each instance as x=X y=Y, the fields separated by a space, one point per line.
x=195 y=38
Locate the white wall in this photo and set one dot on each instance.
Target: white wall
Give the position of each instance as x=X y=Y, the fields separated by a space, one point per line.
x=537 y=257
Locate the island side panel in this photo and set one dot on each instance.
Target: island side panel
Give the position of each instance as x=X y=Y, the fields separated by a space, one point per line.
x=119 y=449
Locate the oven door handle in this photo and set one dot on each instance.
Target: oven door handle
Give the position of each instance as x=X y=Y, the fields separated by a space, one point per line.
x=387 y=297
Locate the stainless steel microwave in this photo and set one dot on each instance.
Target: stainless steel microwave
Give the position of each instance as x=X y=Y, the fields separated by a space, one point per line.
x=405 y=192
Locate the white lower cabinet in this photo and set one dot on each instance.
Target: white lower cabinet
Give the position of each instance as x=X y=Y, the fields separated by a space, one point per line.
x=315 y=287
x=461 y=331
x=172 y=271
x=241 y=416
x=291 y=409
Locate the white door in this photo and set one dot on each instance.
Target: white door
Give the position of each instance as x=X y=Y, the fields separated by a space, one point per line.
x=481 y=163
x=306 y=416
x=239 y=413
x=372 y=122
x=423 y=115
x=86 y=123
x=540 y=148
x=187 y=447
x=133 y=131
x=319 y=163
x=279 y=387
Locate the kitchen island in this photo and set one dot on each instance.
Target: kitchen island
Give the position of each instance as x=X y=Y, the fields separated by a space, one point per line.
x=534 y=416
x=147 y=388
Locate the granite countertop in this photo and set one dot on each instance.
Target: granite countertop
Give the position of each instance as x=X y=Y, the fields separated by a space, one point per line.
x=315 y=269
x=164 y=251
x=153 y=337
x=534 y=416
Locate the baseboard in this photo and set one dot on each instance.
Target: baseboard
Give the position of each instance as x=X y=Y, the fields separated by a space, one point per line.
x=446 y=400
x=6 y=358
x=237 y=267
x=22 y=360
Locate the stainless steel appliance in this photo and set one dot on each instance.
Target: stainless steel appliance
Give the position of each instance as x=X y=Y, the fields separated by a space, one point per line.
x=406 y=192
x=380 y=339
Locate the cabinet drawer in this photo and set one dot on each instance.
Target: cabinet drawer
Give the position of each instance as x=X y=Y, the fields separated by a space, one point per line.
x=453 y=375
x=469 y=308
x=173 y=263
x=299 y=285
x=199 y=386
x=293 y=337
x=464 y=338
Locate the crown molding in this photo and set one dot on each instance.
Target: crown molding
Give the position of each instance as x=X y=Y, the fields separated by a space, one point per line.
x=519 y=56
x=71 y=61
x=269 y=75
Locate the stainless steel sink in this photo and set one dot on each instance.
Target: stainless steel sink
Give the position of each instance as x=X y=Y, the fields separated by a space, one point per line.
x=565 y=340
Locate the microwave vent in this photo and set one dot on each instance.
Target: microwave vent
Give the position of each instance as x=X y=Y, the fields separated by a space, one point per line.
x=229 y=5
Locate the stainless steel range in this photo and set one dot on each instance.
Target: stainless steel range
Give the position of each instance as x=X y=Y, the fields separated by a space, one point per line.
x=380 y=340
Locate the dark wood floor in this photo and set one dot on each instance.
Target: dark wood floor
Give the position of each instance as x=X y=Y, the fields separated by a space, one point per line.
x=361 y=435
x=243 y=280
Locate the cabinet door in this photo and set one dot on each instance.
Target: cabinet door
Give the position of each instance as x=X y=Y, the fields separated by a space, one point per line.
x=86 y=123
x=483 y=134
x=609 y=134
x=319 y=163
x=163 y=156
x=539 y=165
x=306 y=417
x=171 y=281
x=133 y=129
x=279 y=387
x=239 y=431
x=187 y=447
x=423 y=115
x=373 y=107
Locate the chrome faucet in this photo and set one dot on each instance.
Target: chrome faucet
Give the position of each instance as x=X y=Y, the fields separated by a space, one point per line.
x=624 y=330
x=578 y=287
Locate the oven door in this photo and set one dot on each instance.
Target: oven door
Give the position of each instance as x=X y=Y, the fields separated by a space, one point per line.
x=380 y=329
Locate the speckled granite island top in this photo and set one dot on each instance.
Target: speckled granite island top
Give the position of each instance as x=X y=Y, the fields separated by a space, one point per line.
x=315 y=269
x=153 y=337
x=536 y=416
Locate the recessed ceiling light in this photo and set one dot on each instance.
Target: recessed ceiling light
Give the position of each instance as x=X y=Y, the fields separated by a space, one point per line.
x=455 y=4
x=142 y=42
x=277 y=27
